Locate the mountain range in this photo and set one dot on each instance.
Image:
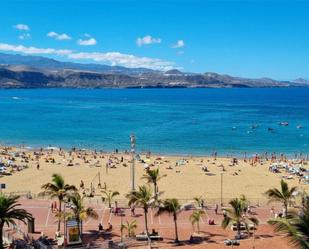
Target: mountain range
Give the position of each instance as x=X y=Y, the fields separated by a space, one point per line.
x=19 y=71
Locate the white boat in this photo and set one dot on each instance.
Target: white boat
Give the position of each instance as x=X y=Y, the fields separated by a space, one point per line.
x=284 y=123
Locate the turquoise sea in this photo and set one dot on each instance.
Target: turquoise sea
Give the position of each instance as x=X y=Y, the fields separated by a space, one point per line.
x=167 y=121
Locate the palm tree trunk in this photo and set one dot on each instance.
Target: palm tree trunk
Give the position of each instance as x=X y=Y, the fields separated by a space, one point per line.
x=146 y=222
x=109 y=201
x=176 y=229
x=81 y=230
x=1 y=234
x=156 y=190
x=146 y=226
x=285 y=209
x=59 y=214
x=79 y=227
x=198 y=226
x=238 y=230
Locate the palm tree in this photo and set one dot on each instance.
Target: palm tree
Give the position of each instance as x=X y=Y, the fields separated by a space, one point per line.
x=236 y=215
x=171 y=206
x=57 y=188
x=195 y=218
x=284 y=195
x=80 y=212
x=152 y=177
x=295 y=226
x=130 y=227
x=245 y=201
x=109 y=196
x=303 y=197
x=141 y=198
x=198 y=201
x=9 y=213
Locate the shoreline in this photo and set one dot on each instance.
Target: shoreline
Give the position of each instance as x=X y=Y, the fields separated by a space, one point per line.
x=156 y=87
x=238 y=155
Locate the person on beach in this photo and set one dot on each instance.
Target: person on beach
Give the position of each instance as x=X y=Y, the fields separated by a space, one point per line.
x=38 y=167
x=216 y=209
x=110 y=227
x=202 y=204
x=82 y=185
x=272 y=211
x=224 y=213
x=248 y=210
x=133 y=211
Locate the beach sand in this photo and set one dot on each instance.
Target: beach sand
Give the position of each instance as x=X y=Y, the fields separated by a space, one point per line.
x=184 y=182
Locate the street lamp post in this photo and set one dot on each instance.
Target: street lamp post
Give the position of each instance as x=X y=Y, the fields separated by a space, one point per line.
x=254 y=237
x=121 y=228
x=221 y=189
x=133 y=142
x=65 y=227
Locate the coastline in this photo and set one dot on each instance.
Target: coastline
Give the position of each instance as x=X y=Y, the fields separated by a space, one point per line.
x=238 y=155
x=220 y=154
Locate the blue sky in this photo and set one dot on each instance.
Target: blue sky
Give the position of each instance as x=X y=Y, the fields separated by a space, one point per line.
x=253 y=38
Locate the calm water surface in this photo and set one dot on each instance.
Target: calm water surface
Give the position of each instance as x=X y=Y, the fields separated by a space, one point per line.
x=178 y=121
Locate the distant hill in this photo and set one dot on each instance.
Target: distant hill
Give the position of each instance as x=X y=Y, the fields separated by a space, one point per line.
x=174 y=72
x=17 y=71
x=51 y=64
x=301 y=81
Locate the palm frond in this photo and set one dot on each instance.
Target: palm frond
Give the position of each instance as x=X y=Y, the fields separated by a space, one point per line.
x=9 y=211
x=236 y=214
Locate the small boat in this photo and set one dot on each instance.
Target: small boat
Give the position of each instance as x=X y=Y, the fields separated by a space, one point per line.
x=299 y=127
x=284 y=123
x=234 y=128
x=254 y=126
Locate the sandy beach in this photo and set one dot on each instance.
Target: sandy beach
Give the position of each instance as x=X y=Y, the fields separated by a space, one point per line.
x=186 y=177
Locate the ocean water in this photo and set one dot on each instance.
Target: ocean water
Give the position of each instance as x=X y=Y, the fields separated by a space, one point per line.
x=167 y=121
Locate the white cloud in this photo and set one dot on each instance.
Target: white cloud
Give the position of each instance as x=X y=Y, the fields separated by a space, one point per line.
x=24 y=36
x=87 y=42
x=59 y=37
x=127 y=60
x=179 y=44
x=33 y=50
x=112 y=58
x=147 y=40
x=22 y=27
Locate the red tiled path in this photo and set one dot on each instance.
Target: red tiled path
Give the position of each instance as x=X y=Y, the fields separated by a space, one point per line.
x=265 y=236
